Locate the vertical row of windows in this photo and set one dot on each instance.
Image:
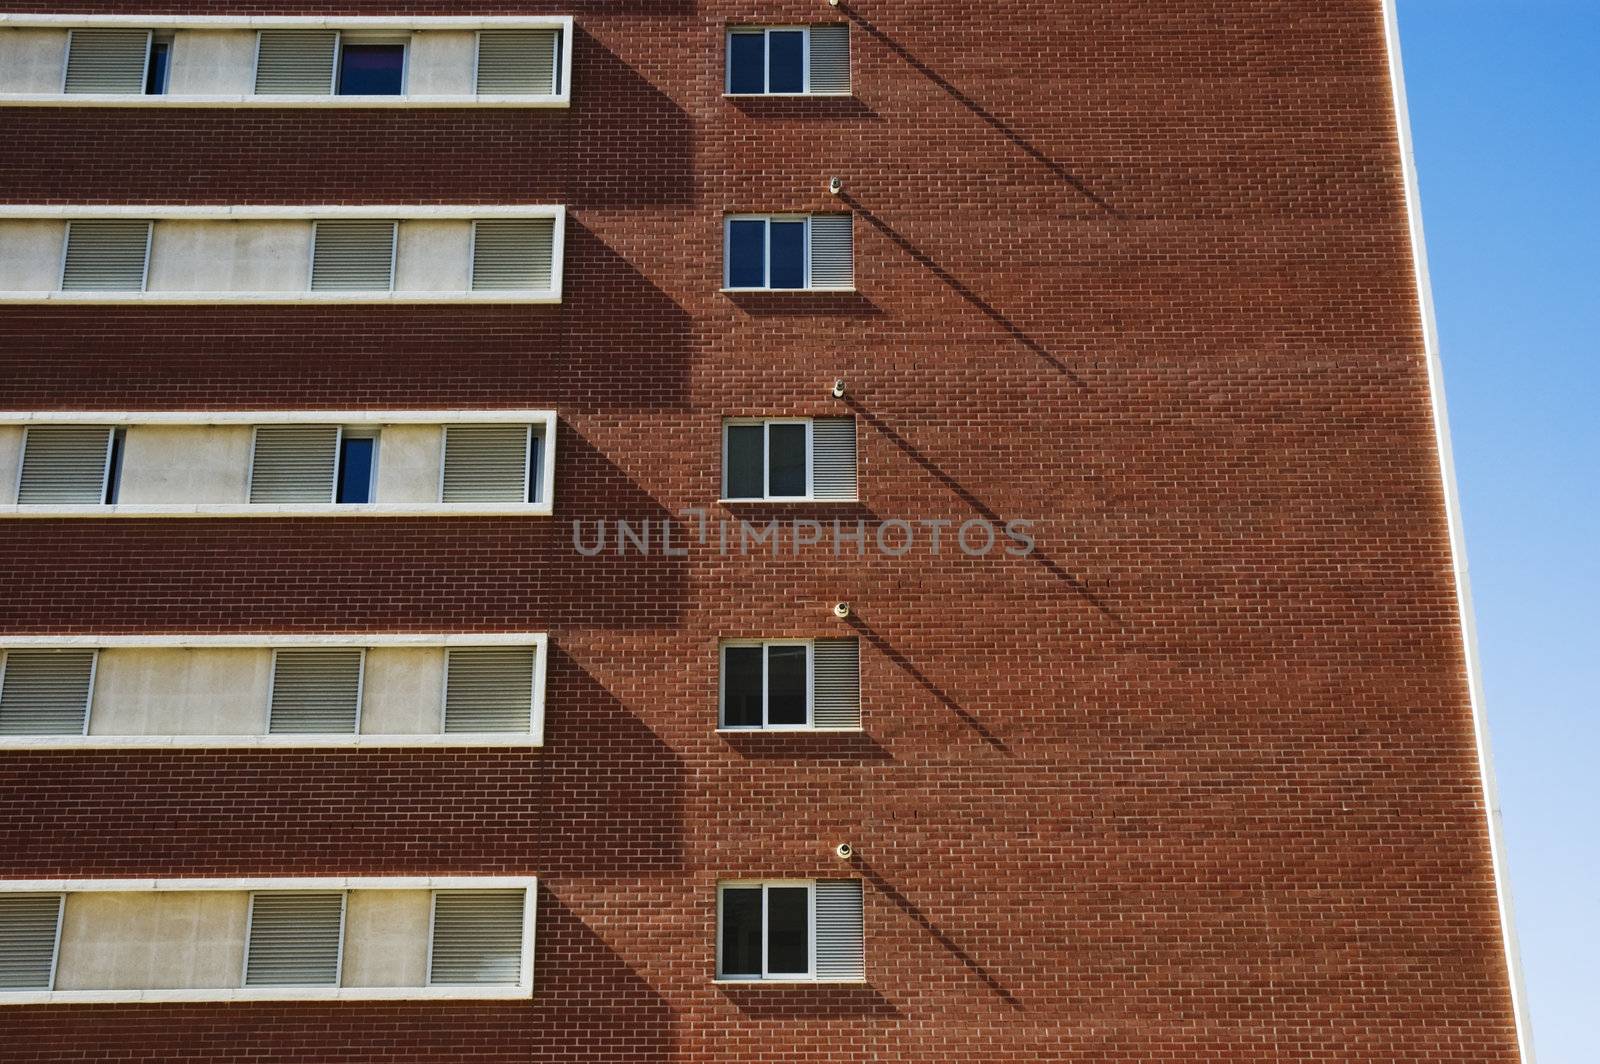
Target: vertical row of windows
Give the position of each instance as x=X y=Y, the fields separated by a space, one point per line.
x=805 y=929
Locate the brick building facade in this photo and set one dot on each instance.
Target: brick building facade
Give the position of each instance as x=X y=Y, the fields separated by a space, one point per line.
x=1196 y=778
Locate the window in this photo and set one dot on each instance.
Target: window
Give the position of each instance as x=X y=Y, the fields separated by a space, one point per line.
x=106 y=256
x=345 y=938
x=519 y=62
x=791 y=930
x=65 y=464
x=372 y=69
x=190 y=690
x=353 y=256
x=109 y=61
x=789 y=459
x=316 y=692
x=781 y=684
x=30 y=929
x=787 y=252
x=789 y=60
x=46 y=692
x=357 y=462
x=155 y=76
x=766 y=685
x=296 y=938
x=490 y=463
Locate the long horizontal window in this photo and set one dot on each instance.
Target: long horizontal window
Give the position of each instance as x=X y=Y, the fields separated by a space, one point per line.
x=788 y=252
x=252 y=254
x=791 y=930
x=260 y=61
x=353 y=463
x=356 y=939
x=789 y=459
x=166 y=691
x=787 y=684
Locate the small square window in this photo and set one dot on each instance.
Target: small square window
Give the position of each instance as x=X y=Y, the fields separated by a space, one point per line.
x=372 y=69
x=766 y=684
x=767 y=460
x=766 y=931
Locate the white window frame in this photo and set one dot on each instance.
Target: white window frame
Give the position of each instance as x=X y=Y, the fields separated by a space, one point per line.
x=541 y=423
x=355 y=25
x=532 y=739
x=766 y=59
x=766 y=459
x=309 y=214
x=256 y=884
x=765 y=725
x=766 y=976
x=766 y=265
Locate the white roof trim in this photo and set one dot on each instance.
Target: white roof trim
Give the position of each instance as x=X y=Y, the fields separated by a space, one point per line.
x=1458 y=545
x=79 y=886
x=277 y=640
x=291 y=22
x=97 y=99
x=225 y=212
x=277 y=417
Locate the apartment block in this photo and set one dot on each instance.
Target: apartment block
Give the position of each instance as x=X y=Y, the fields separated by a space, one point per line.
x=691 y=531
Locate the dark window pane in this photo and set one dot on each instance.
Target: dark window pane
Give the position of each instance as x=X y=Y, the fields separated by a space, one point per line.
x=741 y=687
x=786 y=453
x=787 y=61
x=786 y=685
x=741 y=931
x=114 y=473
x=788 y=931
x=788 y=254
x=355 y=469
x=155 y=78
x=747 y=254
x=744 y=462
x=371 y=69
x=747 y=62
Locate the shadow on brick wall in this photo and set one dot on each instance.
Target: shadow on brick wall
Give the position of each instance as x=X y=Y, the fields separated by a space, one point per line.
x=609 y=792
x=626 y=341
x=888 y=650
x=632 y=145
x=1038 y=556
x=905 y=905
x=604 y=793
x=810 y=1002
x=993 y=121
x=846 y=748
x=961 y=289
x=589 y=1007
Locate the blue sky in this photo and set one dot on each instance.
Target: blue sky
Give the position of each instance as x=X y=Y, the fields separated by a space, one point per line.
x=1505 y=111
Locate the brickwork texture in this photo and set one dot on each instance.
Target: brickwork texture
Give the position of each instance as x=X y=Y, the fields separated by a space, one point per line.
x=1194 y=781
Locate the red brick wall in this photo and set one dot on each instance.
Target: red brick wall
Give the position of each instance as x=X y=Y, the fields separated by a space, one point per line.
x=1194 y=782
